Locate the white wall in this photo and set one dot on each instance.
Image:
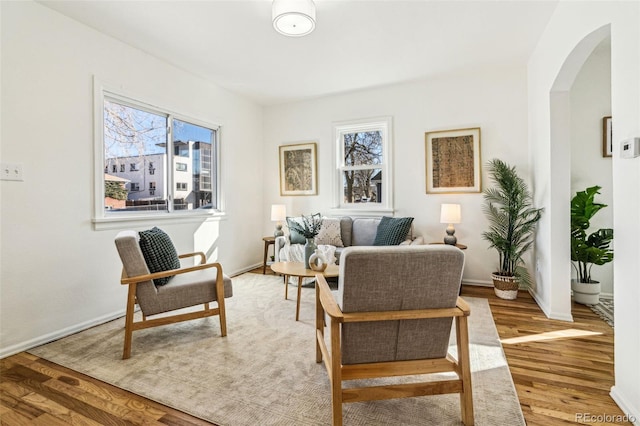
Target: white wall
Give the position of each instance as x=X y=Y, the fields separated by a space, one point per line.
x=492 y=99
x=573 y=32
x=58 y=274
x=590 y=100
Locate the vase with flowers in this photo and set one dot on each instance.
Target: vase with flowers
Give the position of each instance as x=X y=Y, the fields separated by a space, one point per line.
x=308 y=227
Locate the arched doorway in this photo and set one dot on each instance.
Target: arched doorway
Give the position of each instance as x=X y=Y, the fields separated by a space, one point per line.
x=560 y=167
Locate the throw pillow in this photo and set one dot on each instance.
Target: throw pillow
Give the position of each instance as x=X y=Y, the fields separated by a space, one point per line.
x=159 y=253
x=392 y=230
x=330 y=233
x=294 y=236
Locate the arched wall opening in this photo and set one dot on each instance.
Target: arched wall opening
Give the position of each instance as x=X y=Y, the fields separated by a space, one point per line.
x=561 y=192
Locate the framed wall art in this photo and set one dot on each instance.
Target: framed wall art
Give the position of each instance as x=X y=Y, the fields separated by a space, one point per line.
x=453 y=161
x=298 y=171
x=607 y=133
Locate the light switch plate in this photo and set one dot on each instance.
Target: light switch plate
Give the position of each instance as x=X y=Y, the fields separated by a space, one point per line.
x=11 y=171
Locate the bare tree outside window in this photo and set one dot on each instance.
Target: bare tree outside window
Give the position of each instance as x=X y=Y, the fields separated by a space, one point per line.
x=364 y=164
x=361 y=149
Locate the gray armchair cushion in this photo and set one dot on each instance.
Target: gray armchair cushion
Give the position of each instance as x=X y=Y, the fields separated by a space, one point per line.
x=398 y=278
x=159 y=253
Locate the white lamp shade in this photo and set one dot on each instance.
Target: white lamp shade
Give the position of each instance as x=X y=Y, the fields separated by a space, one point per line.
x=294 y=18
x=278 y=212
x=450 y=213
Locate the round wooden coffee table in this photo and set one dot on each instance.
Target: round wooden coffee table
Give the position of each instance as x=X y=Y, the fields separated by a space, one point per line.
x=297 y=269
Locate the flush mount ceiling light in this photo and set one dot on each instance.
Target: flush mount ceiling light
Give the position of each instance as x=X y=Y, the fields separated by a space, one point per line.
x=294 y=18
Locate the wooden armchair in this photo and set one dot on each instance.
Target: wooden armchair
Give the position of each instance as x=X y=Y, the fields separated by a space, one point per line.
x=190 y=286
x=392 y=316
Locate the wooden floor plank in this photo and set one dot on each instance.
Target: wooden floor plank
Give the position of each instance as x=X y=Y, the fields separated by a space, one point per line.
x=556 y=379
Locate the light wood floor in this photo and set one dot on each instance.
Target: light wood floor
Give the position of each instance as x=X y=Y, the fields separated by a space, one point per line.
x=556 y=376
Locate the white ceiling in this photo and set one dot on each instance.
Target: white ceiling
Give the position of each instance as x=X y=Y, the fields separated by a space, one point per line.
x=356 y=44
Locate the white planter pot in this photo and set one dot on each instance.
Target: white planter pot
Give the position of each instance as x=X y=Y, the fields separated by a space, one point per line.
x=586 y=293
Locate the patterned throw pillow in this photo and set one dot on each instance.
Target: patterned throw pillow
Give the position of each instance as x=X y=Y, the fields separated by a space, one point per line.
x=392 y=230
x=330 y=233
x=159 y=253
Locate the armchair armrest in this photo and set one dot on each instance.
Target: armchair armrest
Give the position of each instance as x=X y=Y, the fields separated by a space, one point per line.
x=279 y=243
x=148 y=277
x=203 y=258
x=326 y=299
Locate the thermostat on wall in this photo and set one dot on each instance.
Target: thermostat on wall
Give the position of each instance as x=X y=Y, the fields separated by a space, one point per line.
x=630 y=148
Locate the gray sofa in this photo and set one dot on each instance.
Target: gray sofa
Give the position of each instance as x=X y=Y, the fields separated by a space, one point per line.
x=355 y=231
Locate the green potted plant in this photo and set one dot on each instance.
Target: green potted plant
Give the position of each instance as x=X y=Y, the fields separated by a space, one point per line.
x=512 y=221
x=587 y=249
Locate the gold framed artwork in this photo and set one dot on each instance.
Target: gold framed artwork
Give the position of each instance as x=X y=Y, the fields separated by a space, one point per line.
x=298 y=171
x=453 y=161
x=607 y=136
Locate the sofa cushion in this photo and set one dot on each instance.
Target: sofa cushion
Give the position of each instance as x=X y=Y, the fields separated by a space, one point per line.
x=363 y=231
x=392 y=230
x=159 y=253
x=330 y=232
x=346 y=223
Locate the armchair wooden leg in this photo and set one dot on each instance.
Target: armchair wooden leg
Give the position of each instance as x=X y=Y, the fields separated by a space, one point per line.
x=336 y=375
x=220 y=299
x=223 y=317
x=466 y=396
x=128 y=324
x=319 y=324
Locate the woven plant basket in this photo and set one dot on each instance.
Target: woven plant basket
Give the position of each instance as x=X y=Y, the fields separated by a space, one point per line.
x=505 y=287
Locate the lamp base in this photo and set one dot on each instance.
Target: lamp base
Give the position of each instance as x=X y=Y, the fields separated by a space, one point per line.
x=450 y=238
x=278 y=232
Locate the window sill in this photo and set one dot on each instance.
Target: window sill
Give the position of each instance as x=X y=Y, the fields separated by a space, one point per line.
x=133 y=221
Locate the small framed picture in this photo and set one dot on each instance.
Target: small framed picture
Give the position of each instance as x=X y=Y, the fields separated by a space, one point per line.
x=607 y=137
x=298 y=171
x=453 y=161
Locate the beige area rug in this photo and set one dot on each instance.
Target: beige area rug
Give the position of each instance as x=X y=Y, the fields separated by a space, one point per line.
x=264 y=372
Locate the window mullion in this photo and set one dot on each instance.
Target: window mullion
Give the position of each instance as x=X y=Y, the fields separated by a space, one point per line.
x=170 y=184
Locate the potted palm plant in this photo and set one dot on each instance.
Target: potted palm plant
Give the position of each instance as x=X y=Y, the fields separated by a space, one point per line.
x=512 y=222
x=587 y=249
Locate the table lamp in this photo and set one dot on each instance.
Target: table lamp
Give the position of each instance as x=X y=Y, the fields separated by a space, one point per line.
x=450 y=213
x=278 y=214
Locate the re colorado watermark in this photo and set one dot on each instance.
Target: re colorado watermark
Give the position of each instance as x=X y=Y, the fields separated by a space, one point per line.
x=604 y=418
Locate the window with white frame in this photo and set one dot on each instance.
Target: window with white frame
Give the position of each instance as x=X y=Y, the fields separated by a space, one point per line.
x=141 y=140
x=363 y=174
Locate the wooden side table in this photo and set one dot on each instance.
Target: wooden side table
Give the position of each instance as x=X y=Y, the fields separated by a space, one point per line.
x=267 y=242
x=460 y=246
x=297 y=269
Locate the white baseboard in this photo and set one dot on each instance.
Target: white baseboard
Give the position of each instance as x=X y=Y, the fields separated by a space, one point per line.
x=547 y=311
x=59 y=334
x=478 y=283
x=632 y=413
